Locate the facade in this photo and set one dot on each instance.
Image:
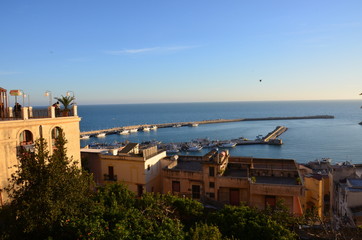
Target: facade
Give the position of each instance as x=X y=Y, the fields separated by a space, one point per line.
x=20 y=130
x=318 y=180
x=219 y=178
x=349 y=202
x=214 y=178
x=138 y=168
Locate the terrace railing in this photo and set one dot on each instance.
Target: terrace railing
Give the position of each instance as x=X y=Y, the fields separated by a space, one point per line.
x=30 y=113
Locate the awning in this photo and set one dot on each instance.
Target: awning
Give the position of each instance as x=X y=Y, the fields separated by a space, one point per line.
x=15 y=93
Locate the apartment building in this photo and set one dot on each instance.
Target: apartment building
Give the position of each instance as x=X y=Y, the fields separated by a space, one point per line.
x=219 y=177
x=20 y=128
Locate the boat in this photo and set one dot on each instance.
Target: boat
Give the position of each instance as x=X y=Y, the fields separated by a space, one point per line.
x=101 y=135
x=172 y=151
x=210 y=145
x=146 y=129
x=194 y=125
x=177 y=125
x=133 y=130
x=124 y=132
x=84 y=137
x=194 y=148
x=154 y=127
x=228 y=145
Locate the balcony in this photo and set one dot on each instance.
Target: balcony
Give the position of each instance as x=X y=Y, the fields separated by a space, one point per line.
x=25 y=148
x=25 y=113
x=110 y=178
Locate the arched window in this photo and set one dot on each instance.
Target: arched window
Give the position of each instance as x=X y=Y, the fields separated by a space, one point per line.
x=26 y=142
x=55 y=134
x=25 y=138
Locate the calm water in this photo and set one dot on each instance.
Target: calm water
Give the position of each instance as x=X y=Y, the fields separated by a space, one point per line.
x=305 y=140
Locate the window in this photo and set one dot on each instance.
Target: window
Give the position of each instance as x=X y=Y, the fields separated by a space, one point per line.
x=110 y=172
x=26 y=138
x=211 y=184
x=211 y=171
x=139 y=189
x=270 y=201
x=176 y=187
x=55 y=134
x=25 y=143
x=195 y=191
x=212 y=195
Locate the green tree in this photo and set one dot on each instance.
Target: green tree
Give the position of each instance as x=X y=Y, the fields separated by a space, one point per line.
x=203 y=231
x=243 y=222
x=45 y=191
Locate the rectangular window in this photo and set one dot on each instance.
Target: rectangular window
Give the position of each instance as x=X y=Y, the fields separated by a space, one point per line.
x=270 y=201
x=139 y=189
x=176 y=187
x=195 y=191
x=211 y=184
x=211 y=171
x=110 y=172
x=212 y=195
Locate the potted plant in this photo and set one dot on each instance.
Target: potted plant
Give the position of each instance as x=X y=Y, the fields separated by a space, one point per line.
x=66 y=101
x=253 y=179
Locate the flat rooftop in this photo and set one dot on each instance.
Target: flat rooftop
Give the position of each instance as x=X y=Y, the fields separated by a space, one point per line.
x=193 y=166
x=236 y=173
x=276 y=180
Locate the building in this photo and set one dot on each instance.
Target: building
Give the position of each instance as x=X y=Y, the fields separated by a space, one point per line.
x=217 y=177
x=349 y=202
x=138 y=168
x=318 y=182
x=21 y=129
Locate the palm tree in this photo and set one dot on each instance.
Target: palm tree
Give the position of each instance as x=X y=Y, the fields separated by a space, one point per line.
x=66 y=101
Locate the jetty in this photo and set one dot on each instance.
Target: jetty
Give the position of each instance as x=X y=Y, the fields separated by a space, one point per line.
x=182 y=124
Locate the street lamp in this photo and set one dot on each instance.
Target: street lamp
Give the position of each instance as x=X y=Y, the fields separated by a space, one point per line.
x=27 y=96
x=73 y=95
x=48 y=94
x=24 y=96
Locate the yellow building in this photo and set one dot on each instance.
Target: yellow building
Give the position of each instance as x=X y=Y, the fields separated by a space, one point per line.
x=138 y=168
x=20 y=130
x=219 y=178
x=317 y=194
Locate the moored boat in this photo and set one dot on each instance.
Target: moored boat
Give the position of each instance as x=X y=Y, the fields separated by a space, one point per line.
x=146 y=129
x=228 y=145
x=101 y=135
x=133 y=130
x=194 y=148
x=84 y=137
x=154 y=127
x=124 y=132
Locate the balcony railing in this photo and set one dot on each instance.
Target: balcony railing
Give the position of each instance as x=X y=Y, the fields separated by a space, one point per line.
x=31 y=113
x=108 y=177
x=25 y=149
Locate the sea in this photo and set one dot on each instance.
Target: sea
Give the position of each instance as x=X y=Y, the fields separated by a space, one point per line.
x=305 y=140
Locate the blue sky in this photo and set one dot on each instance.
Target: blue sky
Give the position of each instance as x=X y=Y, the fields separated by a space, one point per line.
x=182 y=51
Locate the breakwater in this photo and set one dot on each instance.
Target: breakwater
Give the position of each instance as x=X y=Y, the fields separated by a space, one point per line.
x=181 y=124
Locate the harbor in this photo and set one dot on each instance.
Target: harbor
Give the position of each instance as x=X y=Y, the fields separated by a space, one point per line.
x=148 y=127
x=197 y=145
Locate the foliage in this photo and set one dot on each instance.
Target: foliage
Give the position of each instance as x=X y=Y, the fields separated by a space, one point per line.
x=66 y=101
x=45 y=191
x=242 y=222
x=204 y=231
x=282 y=215
x=52 y=198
